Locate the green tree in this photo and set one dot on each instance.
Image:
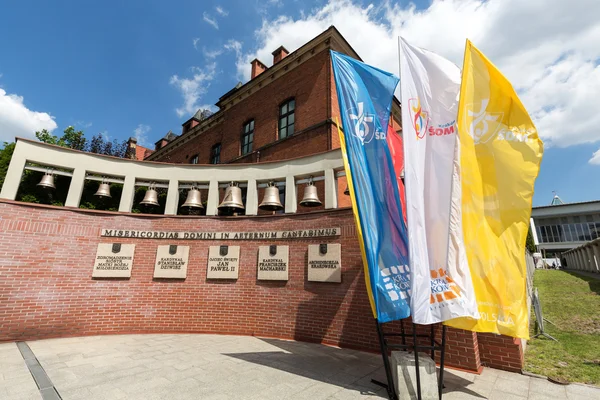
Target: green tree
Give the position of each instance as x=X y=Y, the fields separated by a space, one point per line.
x=530 y=244
x=46 y=137
x=5 y=155
x=71 y=138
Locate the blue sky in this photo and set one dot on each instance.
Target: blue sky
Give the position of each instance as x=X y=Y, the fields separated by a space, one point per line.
x=141 y=68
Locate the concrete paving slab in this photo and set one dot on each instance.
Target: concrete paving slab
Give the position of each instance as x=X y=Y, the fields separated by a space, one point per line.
x=156 y=367
x=16 y=381
x=545 y=387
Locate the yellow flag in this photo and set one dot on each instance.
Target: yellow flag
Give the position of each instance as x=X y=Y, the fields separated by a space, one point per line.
x=500 y=160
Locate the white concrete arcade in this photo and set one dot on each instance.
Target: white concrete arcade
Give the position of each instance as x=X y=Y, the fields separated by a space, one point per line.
x=221 y=367
x=78 y=165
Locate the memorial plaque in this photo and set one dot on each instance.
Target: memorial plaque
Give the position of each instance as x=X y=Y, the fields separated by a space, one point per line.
x=325 y=263
x=171 y=261
x=273 y=267
x=223 y=262
x=113 y=260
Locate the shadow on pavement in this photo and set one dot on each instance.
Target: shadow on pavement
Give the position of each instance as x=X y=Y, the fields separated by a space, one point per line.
x=344 y=368
x=455 y=383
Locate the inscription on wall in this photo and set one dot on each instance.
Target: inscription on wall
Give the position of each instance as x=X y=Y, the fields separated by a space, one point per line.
x=113 y=260
x=273 y=267
x=263 y=235
x=223 y=262
x=325 y=267
x=171 y=261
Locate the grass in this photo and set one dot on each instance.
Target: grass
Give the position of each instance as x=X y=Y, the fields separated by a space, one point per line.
x=572 y=303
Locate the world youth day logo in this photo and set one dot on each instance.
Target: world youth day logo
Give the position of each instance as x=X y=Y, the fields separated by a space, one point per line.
x=418 y=117
x=364 y=124
x=485 y=126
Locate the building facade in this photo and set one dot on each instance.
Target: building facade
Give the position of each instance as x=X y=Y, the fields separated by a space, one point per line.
x=288 y=110
x=285 y=111
x=561 y=227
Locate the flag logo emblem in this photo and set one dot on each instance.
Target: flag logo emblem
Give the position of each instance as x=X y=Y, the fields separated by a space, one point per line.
x=479 y=122
x=364 y=124
x=418 y=117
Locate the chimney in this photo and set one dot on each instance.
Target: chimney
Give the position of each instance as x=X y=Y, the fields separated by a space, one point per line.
x=279 y=54
x=160 y=144
x=257 y=68
x=131 y=147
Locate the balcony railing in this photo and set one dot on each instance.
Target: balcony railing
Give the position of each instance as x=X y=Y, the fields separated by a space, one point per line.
x=82 y=166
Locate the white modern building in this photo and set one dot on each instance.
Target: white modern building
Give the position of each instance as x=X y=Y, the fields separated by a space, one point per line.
x=560 y=227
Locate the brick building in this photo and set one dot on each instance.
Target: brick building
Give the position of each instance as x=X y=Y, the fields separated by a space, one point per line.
x=285 y=111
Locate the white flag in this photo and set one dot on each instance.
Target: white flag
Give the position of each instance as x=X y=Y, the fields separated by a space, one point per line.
x=440 y=277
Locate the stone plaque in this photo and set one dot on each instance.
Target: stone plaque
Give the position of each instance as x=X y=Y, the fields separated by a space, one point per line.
x=273 y=267
x=223 y=262
x=325 y=266
x=171 y=261
x=113 y=260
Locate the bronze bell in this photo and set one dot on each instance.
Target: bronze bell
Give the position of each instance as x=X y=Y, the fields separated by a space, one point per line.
x=47 y=181
x=347 y=191
x=151 y=197
x=271 y=199
x=194 y=199
x=311 y=198
x=232 y=202
x=103 y=190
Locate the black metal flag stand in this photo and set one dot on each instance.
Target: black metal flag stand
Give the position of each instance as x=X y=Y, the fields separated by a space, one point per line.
x=415 y=347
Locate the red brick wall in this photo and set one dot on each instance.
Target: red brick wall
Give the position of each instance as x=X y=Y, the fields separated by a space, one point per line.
x=500 y=351
x=46 y=290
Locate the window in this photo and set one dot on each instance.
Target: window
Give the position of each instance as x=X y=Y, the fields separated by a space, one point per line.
x=215 y=154
x=287 y=118
x=580 y=236
x=567 y=230
x=194 y=159
x=544 y=236
x=247 y=137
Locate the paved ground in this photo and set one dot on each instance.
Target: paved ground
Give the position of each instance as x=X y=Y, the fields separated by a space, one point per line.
x=215 y=367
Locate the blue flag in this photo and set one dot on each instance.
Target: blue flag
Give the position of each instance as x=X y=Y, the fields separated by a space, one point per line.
x=365 y=97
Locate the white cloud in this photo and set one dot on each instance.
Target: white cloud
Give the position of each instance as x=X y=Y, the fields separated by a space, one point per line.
x=195 y=41
x=18 y=120
x=212 y=54
x=234 y=45
x=140 y=133
x=210 y=20
x=221 y=11
x=547 y=48
x=231 y=45
x=595 y=158
x=193 y=88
